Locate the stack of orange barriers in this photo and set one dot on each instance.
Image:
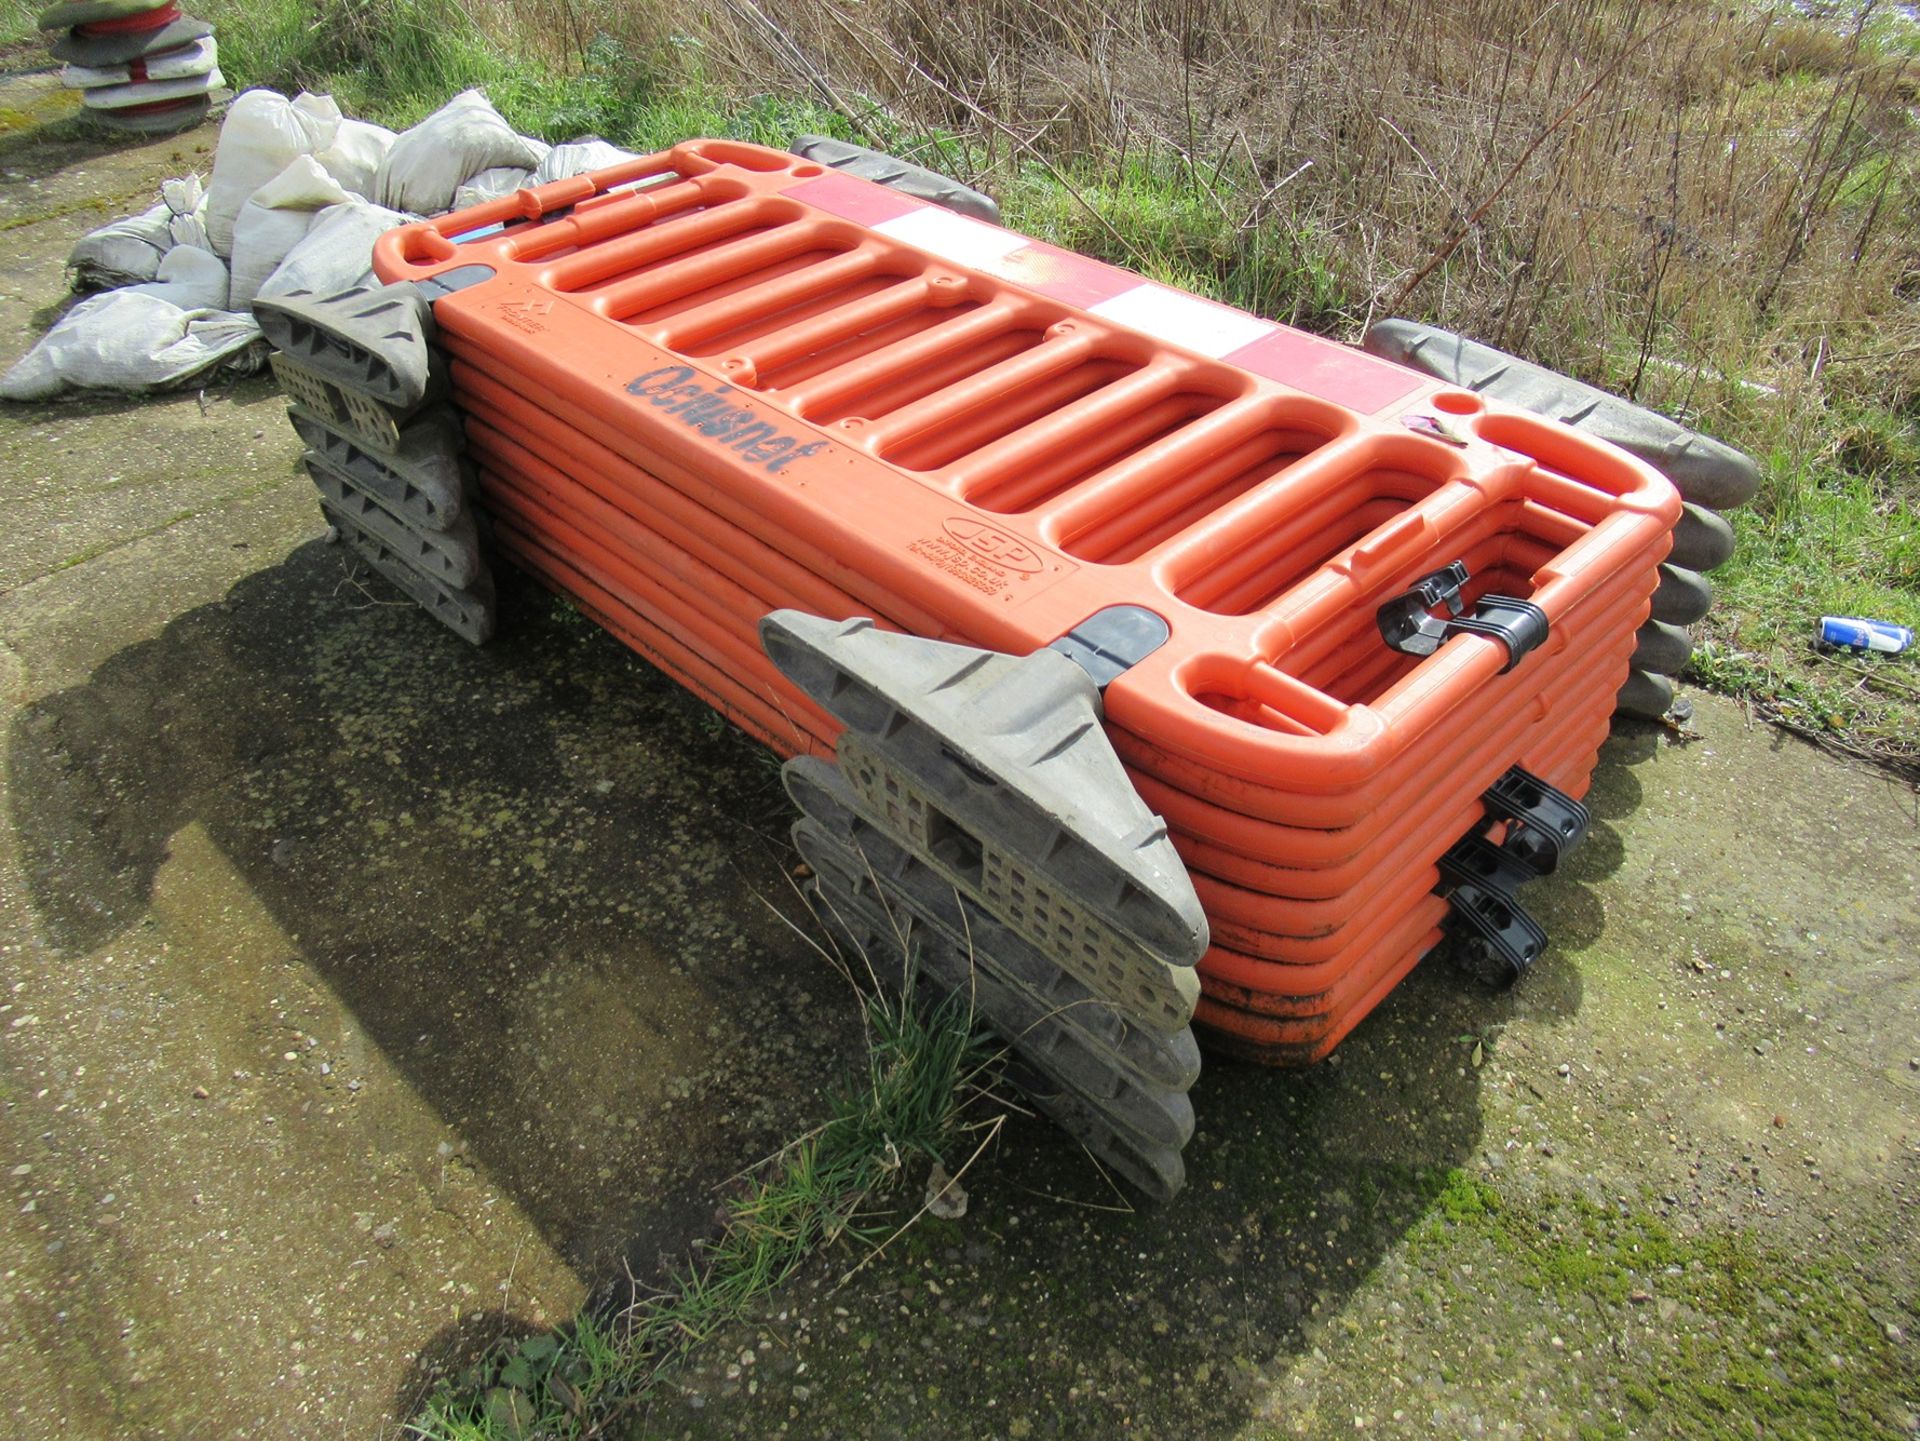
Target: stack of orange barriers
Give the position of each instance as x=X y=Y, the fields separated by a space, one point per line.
x=720 y=381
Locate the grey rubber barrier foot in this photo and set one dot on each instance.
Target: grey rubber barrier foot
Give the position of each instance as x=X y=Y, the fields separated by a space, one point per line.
x=376 y=341
x=1682 y=596
x=65 y=14
x=118 y=49
x=421 y=476
x=1153 y=995
x=1662 y=649
x=995 y=768
x=896 y=174
x=1154 y=1116
x=1645 y=695
x=1160 y=1057
x=169 y=121
x=1168 y=1059
x=451 y=557
x=1704 y=470
x=1156 y=1171
x=467 y=612
x=369 y=421
x=1702 y=540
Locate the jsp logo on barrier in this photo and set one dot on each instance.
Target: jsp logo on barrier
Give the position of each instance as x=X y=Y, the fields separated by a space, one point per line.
x=713 y=413
x=993 y=545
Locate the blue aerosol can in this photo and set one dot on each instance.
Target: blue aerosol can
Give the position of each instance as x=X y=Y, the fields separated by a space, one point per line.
x=1858 y=634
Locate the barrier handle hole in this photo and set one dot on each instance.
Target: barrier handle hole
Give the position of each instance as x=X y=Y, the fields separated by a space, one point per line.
x=966 y=768
x=1459 y=402
x=956 y=846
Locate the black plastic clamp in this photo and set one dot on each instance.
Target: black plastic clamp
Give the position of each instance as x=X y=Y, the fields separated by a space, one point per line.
x=1408 y=623
x=1497 y=940
x=1475 y=860
x=1549 y=823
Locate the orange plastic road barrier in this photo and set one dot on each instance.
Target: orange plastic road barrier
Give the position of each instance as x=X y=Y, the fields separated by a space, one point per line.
x=1319 y=1025
x=1016 y=461
x=496 y=389
x=1219 y=840
x=718 y=381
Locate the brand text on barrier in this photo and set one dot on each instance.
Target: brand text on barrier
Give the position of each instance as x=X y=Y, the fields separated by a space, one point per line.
x=713 y=411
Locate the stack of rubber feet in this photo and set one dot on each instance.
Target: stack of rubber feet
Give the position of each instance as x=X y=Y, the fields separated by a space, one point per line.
x=1353 y=633
x=1712 y=478
x=383 y=447
x=978 y=834
x=139 y=67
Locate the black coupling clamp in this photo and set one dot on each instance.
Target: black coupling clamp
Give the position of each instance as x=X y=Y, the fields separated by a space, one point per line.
x=1409 y=625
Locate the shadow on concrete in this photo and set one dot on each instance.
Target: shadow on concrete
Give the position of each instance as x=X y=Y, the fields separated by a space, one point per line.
x=68 y=138
x=534 y=873
x=1055 y=1309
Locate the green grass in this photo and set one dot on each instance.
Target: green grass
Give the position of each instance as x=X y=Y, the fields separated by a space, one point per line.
x=1194 y=229
x=1835 y=533
x=398 y=62
x=17 y=25
x=924 y=1063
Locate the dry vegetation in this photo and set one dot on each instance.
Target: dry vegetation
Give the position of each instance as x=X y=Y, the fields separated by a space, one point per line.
x=1616 y=188
x=1709 y=209
x=1650 y=195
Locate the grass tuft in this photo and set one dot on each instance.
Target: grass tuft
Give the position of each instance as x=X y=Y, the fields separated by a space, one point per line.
x=925 y=1062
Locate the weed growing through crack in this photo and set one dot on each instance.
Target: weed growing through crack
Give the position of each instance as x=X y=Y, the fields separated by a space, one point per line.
x=925 y=1062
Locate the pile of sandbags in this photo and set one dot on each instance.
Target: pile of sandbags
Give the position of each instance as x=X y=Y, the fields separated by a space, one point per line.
x=297 y=196
x=140 y=67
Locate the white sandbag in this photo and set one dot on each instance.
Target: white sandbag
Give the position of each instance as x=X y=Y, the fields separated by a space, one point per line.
x=427 y=164
x=197 y=58
x=191 y=228
x=336 y=253
x=262 y=134
x=124 y=252
x=355 y=155
x=490 y=185
x=577 y=158
x=183 y=195
x=190 y=277
x=274 y=221
x=132 y=343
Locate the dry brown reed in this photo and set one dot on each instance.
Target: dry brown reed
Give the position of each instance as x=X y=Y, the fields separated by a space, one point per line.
x=1654 y=194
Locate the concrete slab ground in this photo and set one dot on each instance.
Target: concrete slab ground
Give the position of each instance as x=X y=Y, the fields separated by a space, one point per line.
x=363 y=994
x=1667 y=1186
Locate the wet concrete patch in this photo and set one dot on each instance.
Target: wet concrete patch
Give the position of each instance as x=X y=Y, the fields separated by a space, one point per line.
x=396 y=993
